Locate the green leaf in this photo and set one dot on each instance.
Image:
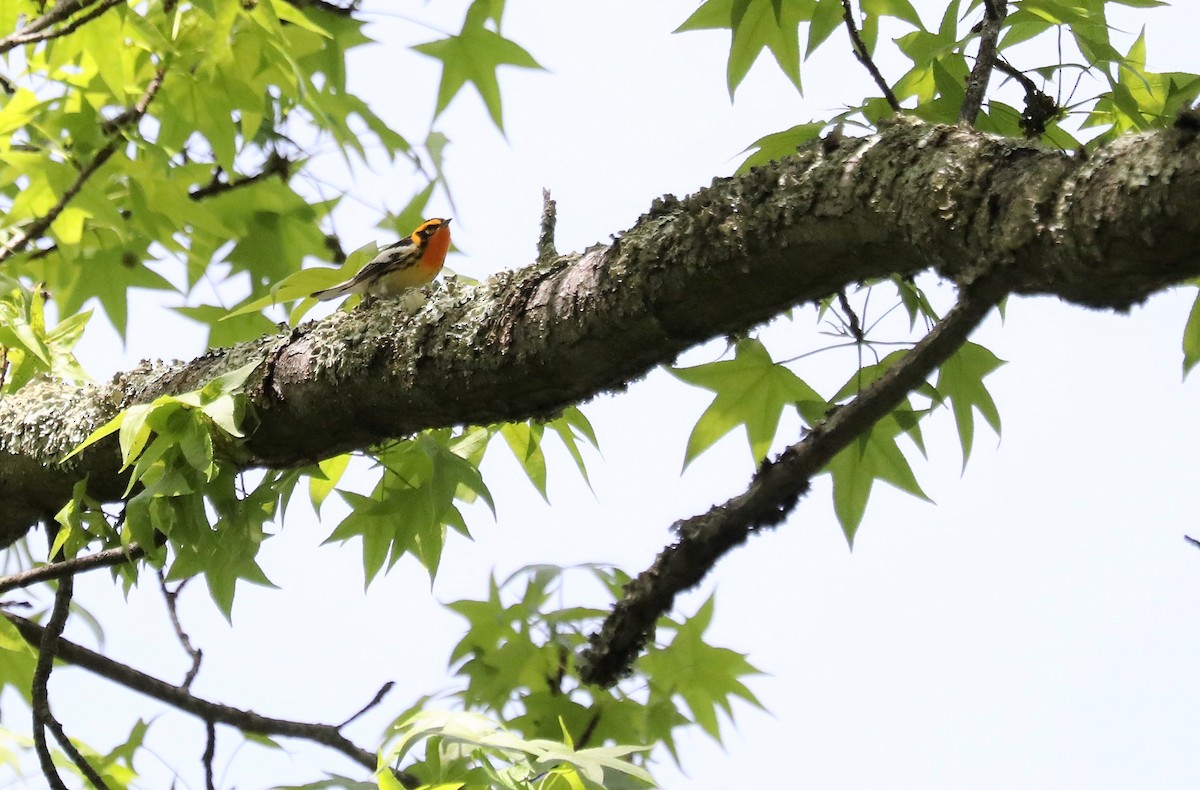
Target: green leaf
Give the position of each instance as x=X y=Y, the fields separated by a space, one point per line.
x=473 y=56
x=828 y=16
x=961 y=382
x=781 y=144
x=525 y=441
x=11 y=640
x=293 y=15
x=302 y=284
x=569 y=427
x=1191 y=337
x=331 y=471
x=707 y=678
x=751 y=391
x=755 y=25
x=855 y=469
x=226 y=329
x=900 y=9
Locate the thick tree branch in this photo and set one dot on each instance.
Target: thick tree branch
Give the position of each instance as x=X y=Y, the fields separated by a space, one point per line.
x=324 y=734
x=1104 y=232
x=977 y=81
x=772 y=493
x=40 y=225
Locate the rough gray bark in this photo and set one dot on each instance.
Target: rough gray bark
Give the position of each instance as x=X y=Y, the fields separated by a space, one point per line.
x=1103 y=232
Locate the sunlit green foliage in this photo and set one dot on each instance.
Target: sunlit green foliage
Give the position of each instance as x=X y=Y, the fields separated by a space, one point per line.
x=165 y=147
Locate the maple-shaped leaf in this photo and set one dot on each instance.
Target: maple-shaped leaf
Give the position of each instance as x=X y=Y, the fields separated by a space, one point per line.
x=874 y=456
x=706 y=677
x=473 y=56
x=755 y=25
x=752 y=390
x=960 y=381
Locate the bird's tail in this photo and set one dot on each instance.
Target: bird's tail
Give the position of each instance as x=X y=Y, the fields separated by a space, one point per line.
x=333 y=293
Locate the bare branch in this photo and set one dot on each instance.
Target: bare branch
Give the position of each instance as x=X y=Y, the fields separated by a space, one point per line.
x=977 y=81
x=546 y=249
x=47 y=643
x=196 y=655
x=41 y=224
x=856 y=330
x=860 y=51
x=529 y=342
x=210 y=753
x=379 y=695
x=1040 y=108
x=772 y=494
x=276 y=165
x=324 y=734
x=33 y=31
x=43 y=718
x=65 y=568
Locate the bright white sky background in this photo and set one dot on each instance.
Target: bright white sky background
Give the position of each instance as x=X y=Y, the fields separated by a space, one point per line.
x=1036 y=628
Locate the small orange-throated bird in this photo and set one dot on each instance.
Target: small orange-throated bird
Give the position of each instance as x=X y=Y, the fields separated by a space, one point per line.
x=409 y=263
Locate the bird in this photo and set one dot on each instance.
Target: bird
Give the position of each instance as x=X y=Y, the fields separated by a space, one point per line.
x=409 y=263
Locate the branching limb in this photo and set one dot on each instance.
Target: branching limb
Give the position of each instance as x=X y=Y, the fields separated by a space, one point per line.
x=977 y=81
x=276 y=165
x=68 y=568
x=864 y=57
x=772 y=493
x=42 y=224
x=325 y=734
x=48 y=645
x=39 y=29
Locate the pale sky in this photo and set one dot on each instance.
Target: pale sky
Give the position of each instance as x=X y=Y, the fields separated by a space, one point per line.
x=1035 y=628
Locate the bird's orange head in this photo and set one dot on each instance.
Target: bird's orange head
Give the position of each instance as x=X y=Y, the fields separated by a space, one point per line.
x=433 y=237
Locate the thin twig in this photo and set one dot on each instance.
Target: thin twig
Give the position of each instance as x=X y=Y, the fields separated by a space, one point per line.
x=25 y=37
x=977 y=81
x=324 y=734
x=772 y=493
x=379 y=695
x=61 y=11
x=43 y=718
x=41 y=224
x=210 y=753
x=1192 y=541
x=47 y=644
x=276 y=165
x=64 y=568
x=860 y=51
x=855 y=327
x=196 y=655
